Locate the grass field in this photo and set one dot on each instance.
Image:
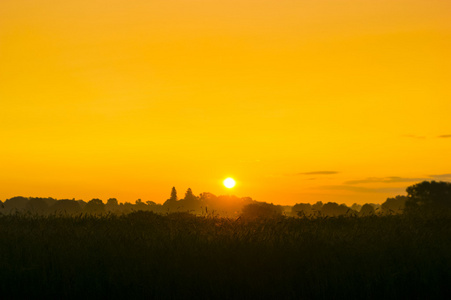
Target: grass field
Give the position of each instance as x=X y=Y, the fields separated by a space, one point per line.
x=180 y=256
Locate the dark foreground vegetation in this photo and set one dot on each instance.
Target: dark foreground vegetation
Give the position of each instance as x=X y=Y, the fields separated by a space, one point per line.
x=181 y=256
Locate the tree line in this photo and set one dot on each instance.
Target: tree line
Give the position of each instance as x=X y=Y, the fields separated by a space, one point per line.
x=427 y=197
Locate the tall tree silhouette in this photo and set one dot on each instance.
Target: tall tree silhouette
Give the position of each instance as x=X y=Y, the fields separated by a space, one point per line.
x=173 y=194
x=189 y=195
x=171 y=204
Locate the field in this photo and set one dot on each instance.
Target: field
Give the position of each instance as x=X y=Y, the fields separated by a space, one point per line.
x=180 y=256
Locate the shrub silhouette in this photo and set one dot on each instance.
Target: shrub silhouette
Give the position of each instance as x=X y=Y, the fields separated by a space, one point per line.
x=66 y=207
x=261 y=210
x=15 y=204
x=366 y=210
x=332 y=209
x=302 y=210
x=37 y=205
x=95 y=206
x=394 y=205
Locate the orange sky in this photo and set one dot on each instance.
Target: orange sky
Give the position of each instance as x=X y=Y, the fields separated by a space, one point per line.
x=299 y=101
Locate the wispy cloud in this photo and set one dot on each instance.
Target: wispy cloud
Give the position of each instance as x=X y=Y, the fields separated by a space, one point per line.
x=360 y=189
x=441 y=176
x=445 y=136
x=354 y=185
x=391 y=179
x=319 y=173
x=396 y=179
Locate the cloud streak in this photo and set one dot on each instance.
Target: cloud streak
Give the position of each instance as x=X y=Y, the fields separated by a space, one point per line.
x=355 y=187
x=441 y=176
x=360 y=189
x=391 y=179
x=445 y=136
x=319 y=173
x=396 y=179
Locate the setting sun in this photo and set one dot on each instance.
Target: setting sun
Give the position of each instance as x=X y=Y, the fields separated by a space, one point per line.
x=125 y=123
x=229 y=183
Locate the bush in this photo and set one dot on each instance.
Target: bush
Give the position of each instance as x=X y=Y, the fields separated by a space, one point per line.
x=261 y=210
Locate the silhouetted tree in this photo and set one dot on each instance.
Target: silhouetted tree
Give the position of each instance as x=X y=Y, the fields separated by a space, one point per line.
x=37 y=205
x=95 y=206
x=261 y=210
x=15 y=204
x=376 y=207
x=171 y=204
x=317 y=206
x=356 y=207
x=139 y=205
x=366 y=210
x=302 y=210
x=49 y=201
x=189 y=195
x=82 y=203
x=333 y=209
x=112 y=202
x=66 y=207
x=112 y=205
x=190 y=203
x=394 y=205
x=126 y=207
x=154 y=207
x=429 y=197
x=173 y=194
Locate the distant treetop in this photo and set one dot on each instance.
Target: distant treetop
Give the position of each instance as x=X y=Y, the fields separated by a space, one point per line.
x=429 y=196
x=173 y=194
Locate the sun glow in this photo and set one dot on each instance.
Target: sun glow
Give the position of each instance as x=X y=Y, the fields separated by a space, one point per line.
x=229 y=183
x=124 y=95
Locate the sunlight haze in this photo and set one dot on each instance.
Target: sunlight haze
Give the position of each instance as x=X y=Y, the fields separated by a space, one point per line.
x=300 y=101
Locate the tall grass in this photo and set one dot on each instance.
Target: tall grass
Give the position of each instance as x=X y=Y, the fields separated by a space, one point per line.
x=180 y=256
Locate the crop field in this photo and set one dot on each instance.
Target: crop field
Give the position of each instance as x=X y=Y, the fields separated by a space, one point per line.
x=181 y=256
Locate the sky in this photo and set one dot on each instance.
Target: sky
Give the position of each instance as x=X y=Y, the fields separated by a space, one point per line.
x=298 y=100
